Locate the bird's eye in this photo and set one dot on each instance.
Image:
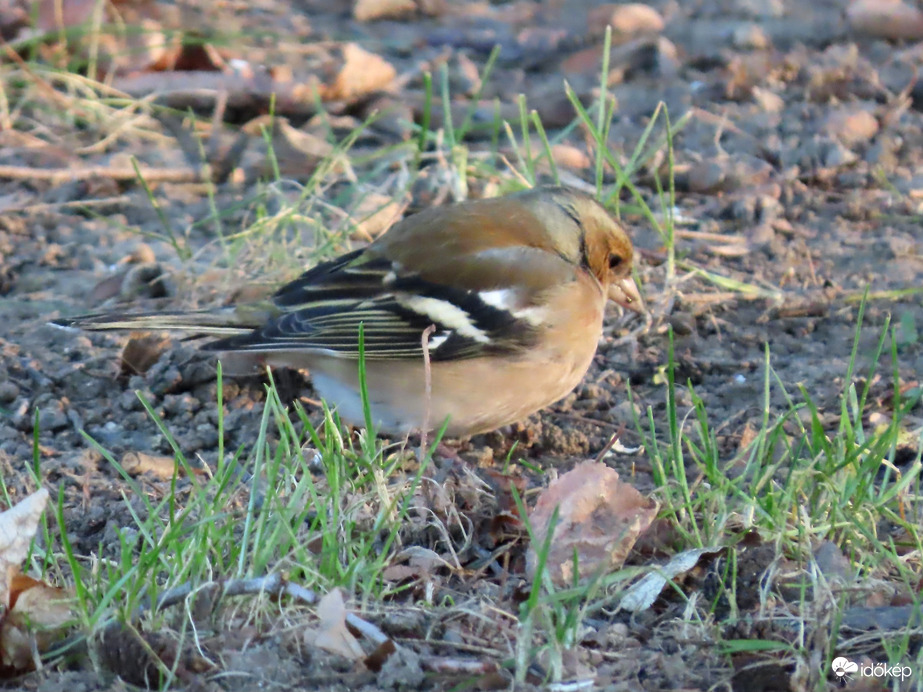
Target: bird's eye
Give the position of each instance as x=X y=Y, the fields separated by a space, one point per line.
x=615 y=261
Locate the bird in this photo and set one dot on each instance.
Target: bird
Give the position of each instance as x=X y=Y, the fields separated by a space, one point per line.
x=473 y=315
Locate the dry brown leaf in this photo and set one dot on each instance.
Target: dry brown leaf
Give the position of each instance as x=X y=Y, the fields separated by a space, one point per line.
x=332 y=634
x=38 y=618
x=729 y=250
x=599 y=517
x=296 y=153
x=162 y=467
x=141 y=352
x=243 y=90
x=627 y=19
x=401 y=572
x=368 y=10
x=140 y=279
x=361 y=74
x=567 y=156
x=18 y=525
x=140 y=658
x=503 y=485
x=107 y=288
x=179 y=57
x=421 y=563
x=747 y=437
x=851 y=125
x=36 y=612
x=374 y=215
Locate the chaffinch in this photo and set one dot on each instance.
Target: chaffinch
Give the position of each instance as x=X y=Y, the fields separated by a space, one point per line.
x=514 y=287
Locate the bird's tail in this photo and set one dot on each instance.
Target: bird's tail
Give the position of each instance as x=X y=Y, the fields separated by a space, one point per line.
x=230 y=321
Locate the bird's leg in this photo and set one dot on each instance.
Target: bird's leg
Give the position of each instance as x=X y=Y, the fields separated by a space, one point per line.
x=427 y=385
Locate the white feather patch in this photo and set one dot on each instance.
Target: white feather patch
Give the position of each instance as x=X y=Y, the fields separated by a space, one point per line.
x=437 y=341
x=446 y=314
x=500 y=298
x=508 y=299
x=534 y=316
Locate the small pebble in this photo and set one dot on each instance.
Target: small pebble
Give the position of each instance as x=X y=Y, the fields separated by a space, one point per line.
x=8 y=392
x=851 y=125
x=768 y=101
x=750 y=37
x=629 y=19
x=683 y=323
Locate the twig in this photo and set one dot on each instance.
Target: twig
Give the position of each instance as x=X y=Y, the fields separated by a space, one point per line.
x=72 y=204
x=59 y=176
x=458 y=666
x=42 y=84
x=610 y=444
x=367 y=629
x=572 y=685
x=199 y=90
x=647 y=321
x=706 y=236
x=458 y=646
x=273 y=584
x=584 y=419
x=720 y=297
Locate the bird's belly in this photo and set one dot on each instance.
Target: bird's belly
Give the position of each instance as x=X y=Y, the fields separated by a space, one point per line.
x=389 y=416
x=475 y=395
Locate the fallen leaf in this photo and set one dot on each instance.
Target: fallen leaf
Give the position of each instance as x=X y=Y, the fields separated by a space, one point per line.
x=38 y=618
x=141 y=352
x=140 y=658
x=421 y=563
x=599 y=519
x=361 y=73
x=296 y=153
x=36 y=613
x=332 y=635
x=18 y=525
x=400 y=572
x=627 y=19
x=374 y=215
x=644 y=592
x=163 y=467
x=368 y=10
x=567 y=156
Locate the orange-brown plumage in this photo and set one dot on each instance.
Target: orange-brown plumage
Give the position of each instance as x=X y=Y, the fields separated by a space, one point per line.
x=515 y=288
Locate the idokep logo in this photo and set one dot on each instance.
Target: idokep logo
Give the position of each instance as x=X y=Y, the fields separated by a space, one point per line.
x=843 y=668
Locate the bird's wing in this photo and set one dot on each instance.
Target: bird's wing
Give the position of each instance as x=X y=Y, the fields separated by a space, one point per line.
x=479 y=302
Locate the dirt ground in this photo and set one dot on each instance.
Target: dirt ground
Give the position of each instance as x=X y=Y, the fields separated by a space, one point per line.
x=797 y=172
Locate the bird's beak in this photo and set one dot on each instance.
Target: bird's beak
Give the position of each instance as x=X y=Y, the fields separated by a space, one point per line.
x=626 y=294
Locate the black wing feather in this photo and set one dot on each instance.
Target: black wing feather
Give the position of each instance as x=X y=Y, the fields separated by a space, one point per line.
x=323 y=308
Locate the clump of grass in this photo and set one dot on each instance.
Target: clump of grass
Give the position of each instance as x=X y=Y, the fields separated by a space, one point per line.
x=260 y=510
x=797 y=474
x=806 y=478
